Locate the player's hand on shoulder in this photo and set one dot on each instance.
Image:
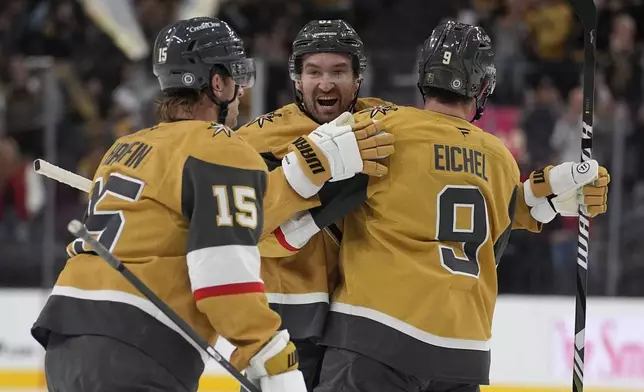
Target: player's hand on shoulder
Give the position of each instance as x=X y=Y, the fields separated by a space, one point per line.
x=335 y=151
x=275 y=367
x=562 y=189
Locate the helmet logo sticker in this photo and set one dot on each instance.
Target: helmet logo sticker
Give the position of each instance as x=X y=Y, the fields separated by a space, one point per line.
x=430 y=78
x=204 y=25
x=457 y=84
x=188 y=79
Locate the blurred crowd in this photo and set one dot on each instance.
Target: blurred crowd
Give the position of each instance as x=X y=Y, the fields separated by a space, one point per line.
x=98 y=94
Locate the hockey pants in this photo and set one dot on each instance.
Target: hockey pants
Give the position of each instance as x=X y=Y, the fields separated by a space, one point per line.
x=310 y=356
x=347 y=371
x=91 y=363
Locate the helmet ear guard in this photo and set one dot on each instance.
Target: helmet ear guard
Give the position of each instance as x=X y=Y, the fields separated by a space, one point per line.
x=487 y=88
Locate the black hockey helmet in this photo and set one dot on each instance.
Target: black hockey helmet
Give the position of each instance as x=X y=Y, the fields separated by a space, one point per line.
x=323 y=36
x=320 y=36
x=189 y=52
x=458 y=57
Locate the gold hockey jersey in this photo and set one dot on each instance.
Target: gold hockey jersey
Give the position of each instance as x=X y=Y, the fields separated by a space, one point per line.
x=298 y=282
x=183 y=206
x=418 y=259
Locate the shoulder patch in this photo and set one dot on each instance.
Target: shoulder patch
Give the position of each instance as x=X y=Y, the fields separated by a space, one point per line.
x=220 y=129
x=260 y=120
x=383 y=109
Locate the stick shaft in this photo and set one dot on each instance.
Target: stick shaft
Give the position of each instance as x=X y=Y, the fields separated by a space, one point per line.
x=587 y=12
x=79 y=230
x=56 y=173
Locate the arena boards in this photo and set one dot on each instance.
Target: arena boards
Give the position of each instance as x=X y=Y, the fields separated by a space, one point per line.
x=23 y=381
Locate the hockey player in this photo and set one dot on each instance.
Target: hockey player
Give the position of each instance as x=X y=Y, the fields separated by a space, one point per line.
x=182 y=204
x=413 y=311
x=327 y=66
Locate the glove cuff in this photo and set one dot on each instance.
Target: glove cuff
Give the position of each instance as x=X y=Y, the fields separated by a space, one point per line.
x=528 y=194
x=297 y=178
x=296 y=232
x=258 y=365
x=543 y=211
x=539 y=182
x=314 y=161
x=292 y=381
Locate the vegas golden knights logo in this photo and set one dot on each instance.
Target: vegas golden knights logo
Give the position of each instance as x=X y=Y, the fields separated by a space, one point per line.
x=263 y=118
x=220 y=129
x=384 y=109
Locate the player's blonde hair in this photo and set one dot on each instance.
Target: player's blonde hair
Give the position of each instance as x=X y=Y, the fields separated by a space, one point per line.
x=178 y=105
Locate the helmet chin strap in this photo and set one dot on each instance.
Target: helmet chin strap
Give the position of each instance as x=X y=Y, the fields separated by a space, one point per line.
x=223 y=105
x=481 y=101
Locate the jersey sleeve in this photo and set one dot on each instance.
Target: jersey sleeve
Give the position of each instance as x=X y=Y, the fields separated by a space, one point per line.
x=523 y=220
x=282 y=202
x=253 y=136
x=336 y=200
x=224 y=206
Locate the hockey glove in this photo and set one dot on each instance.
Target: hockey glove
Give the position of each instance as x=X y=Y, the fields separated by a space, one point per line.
x=562 y=189
x=336 y=151
x=274 y=367
x=297 y=231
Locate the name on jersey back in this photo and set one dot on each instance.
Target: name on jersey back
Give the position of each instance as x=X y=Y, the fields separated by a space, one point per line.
x=459 y=159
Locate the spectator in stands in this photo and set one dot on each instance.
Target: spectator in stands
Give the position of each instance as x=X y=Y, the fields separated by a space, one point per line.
x=623 y=62
x=565 y=138
x=551 y=24
x=509 y=32
x=539 y=121
x=22 y=193
x=24 y=108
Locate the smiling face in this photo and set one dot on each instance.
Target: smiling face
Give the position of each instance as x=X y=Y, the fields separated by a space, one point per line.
x=328 y=84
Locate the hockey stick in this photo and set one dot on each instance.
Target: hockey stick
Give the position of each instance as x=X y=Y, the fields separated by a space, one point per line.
x=587 y=12
x=56 y=173
x=78 y=229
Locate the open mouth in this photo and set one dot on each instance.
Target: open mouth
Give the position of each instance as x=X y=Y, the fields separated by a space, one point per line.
x=327 y=101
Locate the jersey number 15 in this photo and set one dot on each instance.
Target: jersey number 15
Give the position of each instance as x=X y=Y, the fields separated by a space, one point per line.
x=108 y=225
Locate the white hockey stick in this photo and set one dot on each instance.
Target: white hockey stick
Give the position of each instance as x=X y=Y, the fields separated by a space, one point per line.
x=54 y=172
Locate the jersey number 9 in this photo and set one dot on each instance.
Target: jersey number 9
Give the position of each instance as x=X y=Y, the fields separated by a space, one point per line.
x=461 y=201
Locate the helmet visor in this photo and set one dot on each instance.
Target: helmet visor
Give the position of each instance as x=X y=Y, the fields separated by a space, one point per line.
x=243 y=72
